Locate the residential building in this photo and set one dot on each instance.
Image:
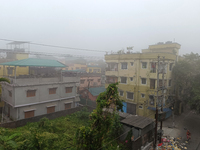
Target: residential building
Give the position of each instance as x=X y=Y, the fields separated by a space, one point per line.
x=15 y=52
x=33 y=95
x=93 y=69
x=74 y=63
x=92 y=93
x=137 y=74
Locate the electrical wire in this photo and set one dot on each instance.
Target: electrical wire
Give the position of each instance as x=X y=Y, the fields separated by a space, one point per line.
x=55 y=46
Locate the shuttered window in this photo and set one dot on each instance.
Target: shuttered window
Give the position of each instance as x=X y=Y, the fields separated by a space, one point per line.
x=30 y=93
x=68 y=89
x=29 y=114
x=50 y=109
x=68 y=106
x=52 y=90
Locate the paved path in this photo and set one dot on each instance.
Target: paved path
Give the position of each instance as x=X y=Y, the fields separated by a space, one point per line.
x=187 y=120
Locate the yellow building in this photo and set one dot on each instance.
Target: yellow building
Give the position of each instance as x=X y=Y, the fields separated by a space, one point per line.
x=93 y=69
x=9 y=70
x=137 y=74
x=76 y=66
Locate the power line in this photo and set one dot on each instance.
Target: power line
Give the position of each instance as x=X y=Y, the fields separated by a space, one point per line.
x=56 y=46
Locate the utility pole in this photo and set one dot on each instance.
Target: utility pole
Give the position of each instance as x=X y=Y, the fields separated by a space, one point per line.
x=163 y=87
x=155 y=142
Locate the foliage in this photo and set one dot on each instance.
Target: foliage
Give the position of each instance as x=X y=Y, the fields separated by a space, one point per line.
x=45 y=134
x=4 y=80
x=186 y=77
x=104 y=122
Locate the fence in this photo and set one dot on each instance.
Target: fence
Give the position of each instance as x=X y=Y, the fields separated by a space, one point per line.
x=22 y=122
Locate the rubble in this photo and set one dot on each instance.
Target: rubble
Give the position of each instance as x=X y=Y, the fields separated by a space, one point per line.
x=171 y=143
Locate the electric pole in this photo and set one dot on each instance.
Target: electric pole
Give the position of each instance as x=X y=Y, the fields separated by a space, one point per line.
x=155 y=142
x=163 y=97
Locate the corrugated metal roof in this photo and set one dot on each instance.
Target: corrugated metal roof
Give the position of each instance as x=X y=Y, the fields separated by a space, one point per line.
x=137 y=121
x=95 y=91
x=35 y=62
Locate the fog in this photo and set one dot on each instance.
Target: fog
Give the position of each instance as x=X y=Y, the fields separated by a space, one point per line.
x=101 y=25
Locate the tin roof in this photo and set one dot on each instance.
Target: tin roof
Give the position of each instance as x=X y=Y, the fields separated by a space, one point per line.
x=95 y=91
x=35 y=62
x=137 y=121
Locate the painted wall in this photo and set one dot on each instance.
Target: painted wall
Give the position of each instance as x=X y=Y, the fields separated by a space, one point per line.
x=76 y=66
x=136 y=72
x=19 y=102
x=92 y=69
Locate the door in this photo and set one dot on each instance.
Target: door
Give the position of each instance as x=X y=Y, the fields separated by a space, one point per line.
x=131 y=108
x=29 y=114
x=50 y=109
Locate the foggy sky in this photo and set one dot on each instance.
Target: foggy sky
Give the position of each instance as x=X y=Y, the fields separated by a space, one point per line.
x=101 y=24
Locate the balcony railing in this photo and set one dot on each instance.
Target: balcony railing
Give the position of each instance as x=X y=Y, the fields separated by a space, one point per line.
x=111 y=69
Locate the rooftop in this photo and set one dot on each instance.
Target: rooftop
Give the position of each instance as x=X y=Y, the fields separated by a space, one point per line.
x=137 y=121
x=35 y=62
x=95 y=91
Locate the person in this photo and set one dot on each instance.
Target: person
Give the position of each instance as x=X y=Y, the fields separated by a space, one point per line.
x=188 y=135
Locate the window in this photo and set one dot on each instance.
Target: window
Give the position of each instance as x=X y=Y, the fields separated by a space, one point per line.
x=68 y=89
x=170 y=66
x=30 y=93
x=140 y=107
x=52 y=90
x=170 y=82
x=132 y=63
x=129 y=95
x=10 y=93
x=50 y=109
x=153 y=67
x=123 y=80
x=131 y=78
x=152 y=83
x=77 y=67
x=82 y=81
x=121 y=93
x=124 y=65
x=98 y=70
x=143 y=95
x=99 y=80
x=90 y=70
x=144 y=65
x=29 y=114
x=68 y=105
x=144 y=80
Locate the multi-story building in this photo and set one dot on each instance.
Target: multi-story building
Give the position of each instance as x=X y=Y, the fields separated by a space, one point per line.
x=33 y=95
x=137 y=74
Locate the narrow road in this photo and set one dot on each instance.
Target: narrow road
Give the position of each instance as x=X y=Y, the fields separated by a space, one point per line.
x=187 y=120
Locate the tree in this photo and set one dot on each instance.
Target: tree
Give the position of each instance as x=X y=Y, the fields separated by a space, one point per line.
x=185 y=76
x=104 y=122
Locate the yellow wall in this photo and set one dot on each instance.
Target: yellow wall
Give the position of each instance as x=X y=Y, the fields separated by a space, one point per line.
x=76 y=66
x=19 y=70
x=137 y=72
x=91 y=69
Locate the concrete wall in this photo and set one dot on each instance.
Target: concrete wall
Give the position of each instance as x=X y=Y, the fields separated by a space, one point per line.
x=50 y=116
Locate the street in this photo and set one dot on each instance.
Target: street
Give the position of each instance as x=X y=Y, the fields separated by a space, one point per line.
x=188 y=120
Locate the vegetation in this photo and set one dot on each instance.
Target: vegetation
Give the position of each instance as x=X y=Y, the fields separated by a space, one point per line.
x=45 y=134
x=104 y=124
x=186 y=77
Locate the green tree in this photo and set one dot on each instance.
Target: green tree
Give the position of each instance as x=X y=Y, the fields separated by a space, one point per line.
x=104 y=122
x=185 y=76
x=7 y=142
